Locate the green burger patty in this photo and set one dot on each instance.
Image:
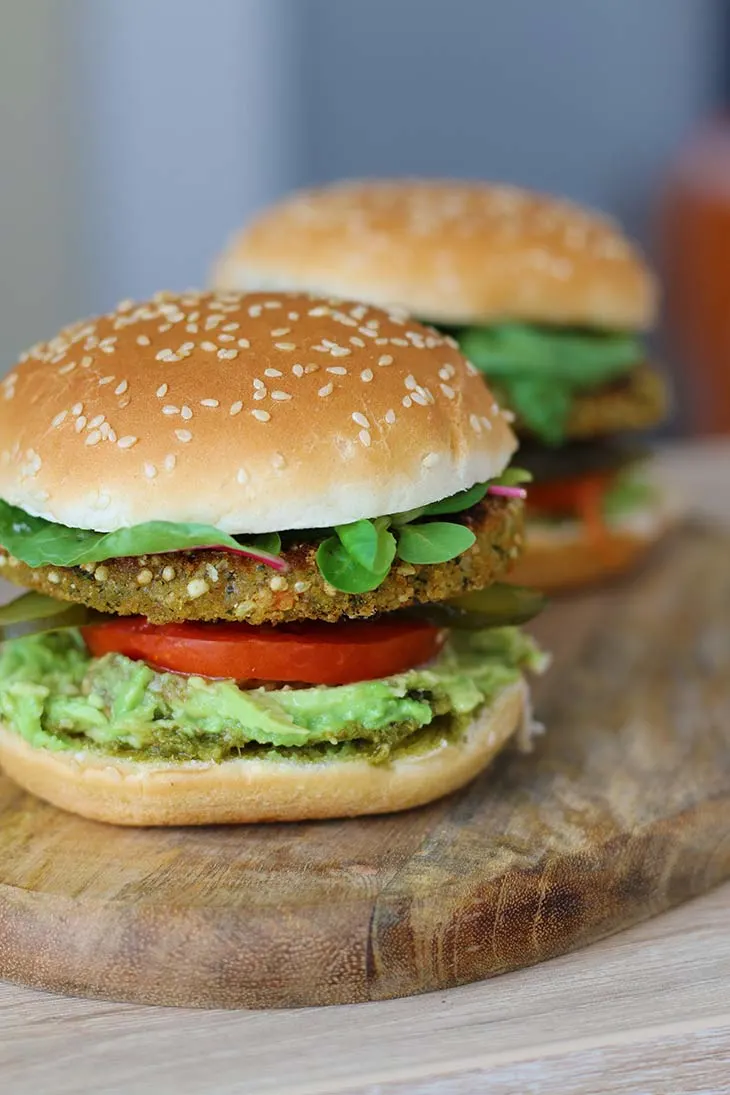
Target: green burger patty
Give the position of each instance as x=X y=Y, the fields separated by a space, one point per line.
x=57 y=697
x=216 y=585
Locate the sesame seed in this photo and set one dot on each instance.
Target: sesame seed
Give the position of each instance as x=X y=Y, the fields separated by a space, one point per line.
x=241 y=476
x=96 y=421
x=209 y=402
x=77 y=409
x=272 y=304
x=486 y=423
x=197 y=588
x=366 y=375
x=262 y=416
x=320 y=310
x=337 y=370
x=244 y=343
x=164 y=355
x=58 y=419
x=508 y=416
x=184 y=436
x=80 y=423
x=381 y=341
x=399 y=341
x=93 y=438
x=86 y=362
x=168 y=574
x=390 y=417
x=293 y=315
x=185 y=412
x=357 y=341
x=311 y=368
x=278 y=460
x=279 y=332
x=121 y=388
x=170 y=461
x=361 y=420
x=448 y=391
x=236 y=407
x=285 y=345
x=209 y=346
x=161 y=391
x=170 y=408
x=127 y=442
x=385 y=359
x=420 y=397
x=150 y=470
x=271 y=373
x=254 y=310
x=326 y=390
x=227 y=355
x=475 y=423
x=226 y=338
x=364 y=436
x=65 y=369
x=280 y=396
x=407 y=401
x=260 y=393
x=144 y=577
x=231 y=326
x=297 y=370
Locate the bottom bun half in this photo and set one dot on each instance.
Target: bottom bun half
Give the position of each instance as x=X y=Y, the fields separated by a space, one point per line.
x=564 y=556
x=126 y=792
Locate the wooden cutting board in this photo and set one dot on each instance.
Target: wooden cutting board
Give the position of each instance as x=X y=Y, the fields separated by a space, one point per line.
x=621 y=811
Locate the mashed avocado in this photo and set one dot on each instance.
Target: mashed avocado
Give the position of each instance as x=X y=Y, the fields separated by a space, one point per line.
x=57 y=697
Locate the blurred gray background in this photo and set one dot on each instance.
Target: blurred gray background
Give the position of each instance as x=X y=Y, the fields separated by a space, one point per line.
x=136 y=134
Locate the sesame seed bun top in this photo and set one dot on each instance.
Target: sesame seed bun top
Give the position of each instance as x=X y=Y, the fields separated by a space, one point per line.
x=449 y=252
x=252 y=413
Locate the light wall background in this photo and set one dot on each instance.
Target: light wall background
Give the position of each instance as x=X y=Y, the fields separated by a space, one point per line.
x=136 y=134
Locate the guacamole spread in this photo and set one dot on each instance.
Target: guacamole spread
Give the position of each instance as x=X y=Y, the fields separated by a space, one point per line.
x=57 y=697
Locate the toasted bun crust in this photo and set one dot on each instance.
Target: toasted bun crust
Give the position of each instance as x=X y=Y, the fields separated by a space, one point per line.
x=451 y=252
x=135 y=793
x=253 y=413
x=564 y=557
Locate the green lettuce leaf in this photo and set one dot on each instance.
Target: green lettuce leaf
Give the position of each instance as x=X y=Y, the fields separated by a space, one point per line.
x=38 y=542
x=433 y=542
x=540 y=369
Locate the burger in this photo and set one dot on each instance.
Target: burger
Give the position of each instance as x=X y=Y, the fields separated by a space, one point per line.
x=261 y=537
x=548 y=300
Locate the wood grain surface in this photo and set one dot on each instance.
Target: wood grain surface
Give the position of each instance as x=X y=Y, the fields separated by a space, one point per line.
x=622 y=811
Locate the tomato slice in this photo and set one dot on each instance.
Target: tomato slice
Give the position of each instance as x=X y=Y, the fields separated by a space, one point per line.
x=313 y=653
x=580 y=496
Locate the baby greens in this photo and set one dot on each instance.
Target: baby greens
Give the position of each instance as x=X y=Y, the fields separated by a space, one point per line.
x=541 y=369
x=354 y=558
x=38 y=542
x=358 y=557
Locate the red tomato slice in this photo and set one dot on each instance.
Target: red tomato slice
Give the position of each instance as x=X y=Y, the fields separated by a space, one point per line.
x=313 y=653
x=581 y=497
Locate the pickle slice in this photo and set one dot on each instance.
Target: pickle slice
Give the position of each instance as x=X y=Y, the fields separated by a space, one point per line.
x=499 y=605
x=34 y=613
